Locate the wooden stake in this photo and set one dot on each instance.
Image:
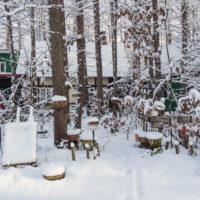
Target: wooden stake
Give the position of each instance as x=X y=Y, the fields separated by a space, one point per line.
x=72 y=145
x=167 y=145
x=94 y=153
x=176 y=147
x=191 y=149
x=98 y=149
x=87 y=147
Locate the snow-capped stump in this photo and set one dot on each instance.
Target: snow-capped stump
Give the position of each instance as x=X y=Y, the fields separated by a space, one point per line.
x=115 y=100
x=143 y=139
x=154 y=139
x=93 y=122
x=59 y=101
x=54 y=172
x=20 y=142
x=176 y=145
x=73 y=136
x=137 y=134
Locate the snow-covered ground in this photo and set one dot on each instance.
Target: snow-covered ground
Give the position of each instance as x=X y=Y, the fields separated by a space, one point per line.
x=122 y=172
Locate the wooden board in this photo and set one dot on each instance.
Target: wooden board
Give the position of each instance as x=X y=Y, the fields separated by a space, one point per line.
x=184 y=119
x=155 y=119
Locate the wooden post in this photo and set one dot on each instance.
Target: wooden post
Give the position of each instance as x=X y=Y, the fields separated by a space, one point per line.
x=167 y=144
x=191 y=149
x=98 y=149
x=176 y=147
x=87 y=147
x=94 y=153
x=72 y=145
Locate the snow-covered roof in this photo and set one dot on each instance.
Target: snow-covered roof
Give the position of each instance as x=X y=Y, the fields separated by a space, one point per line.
x=43 y=60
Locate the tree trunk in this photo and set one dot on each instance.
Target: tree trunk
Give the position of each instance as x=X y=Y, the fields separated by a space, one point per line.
x=185 y=33
x=12 y=61
x=81 y=57
x=98 y=55
x=113 y=9
x=57 y=27
x=156 y=40
x=33 y=78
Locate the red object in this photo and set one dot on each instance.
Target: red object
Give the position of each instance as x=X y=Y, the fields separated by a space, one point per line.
x=183 y=131
x=2 y=107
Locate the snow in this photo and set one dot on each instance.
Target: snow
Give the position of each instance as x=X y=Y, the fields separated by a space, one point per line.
x=159 y=104
x=72 y=145
x=197 y=110
x=43 y=58
x=87 y=135
x=59 y=98
x=74 y=132
x=154 y=113
x=128 y=99
x=138 y=131
x=20 y=142
x=93 y=119
x=53 y=169
x=122 y=172
x=195 y=94
x=115 y=98
x=68 y=84
x=154 y=135
x=142 y=134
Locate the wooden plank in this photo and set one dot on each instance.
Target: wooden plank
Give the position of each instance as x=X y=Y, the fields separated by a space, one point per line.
x=184 y=119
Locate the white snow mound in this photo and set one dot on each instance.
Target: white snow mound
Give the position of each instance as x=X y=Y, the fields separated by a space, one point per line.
x=59 y=98
x=53 y=169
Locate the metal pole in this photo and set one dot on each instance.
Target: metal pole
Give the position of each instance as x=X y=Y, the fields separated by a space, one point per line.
x=93 y=138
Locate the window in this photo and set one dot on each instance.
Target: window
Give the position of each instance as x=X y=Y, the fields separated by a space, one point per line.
x=45 y=93
x=2 y=67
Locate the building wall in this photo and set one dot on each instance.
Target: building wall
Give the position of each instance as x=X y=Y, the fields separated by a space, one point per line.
x=5 y=57
x=47 y=82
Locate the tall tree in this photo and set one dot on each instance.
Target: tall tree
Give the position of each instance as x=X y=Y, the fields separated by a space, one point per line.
x=33 y=57
x=185 y=33
x=81 y=58
x=113 y=16
x=156 y=39
x=113 y=10
x=98 y=55
x=57 y=33
x=13 y=65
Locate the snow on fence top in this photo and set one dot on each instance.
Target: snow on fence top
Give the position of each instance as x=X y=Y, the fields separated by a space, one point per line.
x=59 y=98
